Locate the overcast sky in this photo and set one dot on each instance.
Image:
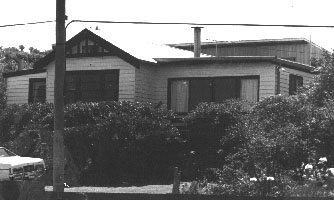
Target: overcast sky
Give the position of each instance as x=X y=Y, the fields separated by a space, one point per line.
x=42 y=36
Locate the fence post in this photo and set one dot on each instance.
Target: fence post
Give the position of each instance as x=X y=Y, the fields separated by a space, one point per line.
x=176 y=181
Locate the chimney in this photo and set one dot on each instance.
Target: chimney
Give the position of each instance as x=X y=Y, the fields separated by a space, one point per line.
x=197 y=41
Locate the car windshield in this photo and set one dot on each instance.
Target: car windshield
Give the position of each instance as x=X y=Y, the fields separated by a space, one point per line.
x=5 y=153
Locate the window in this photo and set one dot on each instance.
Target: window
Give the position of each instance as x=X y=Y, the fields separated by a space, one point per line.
x=294 y=83
x=37 y=90
x=91 y=86
x=186 y=93
x=90 y=49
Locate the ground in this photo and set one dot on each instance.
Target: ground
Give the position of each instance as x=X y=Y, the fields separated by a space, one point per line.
x=149 y=189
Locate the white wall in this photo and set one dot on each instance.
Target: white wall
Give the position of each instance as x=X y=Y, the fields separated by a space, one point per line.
x=266 y=71
x=18 y=88
x=146 y=83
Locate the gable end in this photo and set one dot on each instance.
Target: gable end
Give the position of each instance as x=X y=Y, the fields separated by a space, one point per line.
x=88 y=44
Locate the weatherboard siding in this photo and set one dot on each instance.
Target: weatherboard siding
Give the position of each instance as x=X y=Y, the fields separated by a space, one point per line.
x=126 y=74
x=145 y=84
x=284 y=79
x=301 y=52
x=266 y=71
x=18 y=88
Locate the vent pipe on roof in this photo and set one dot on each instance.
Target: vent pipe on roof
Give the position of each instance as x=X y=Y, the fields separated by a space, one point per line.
x=197 y=41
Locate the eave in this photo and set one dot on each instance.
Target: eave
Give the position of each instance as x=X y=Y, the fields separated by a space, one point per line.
x=23 y=72
x=238 y=59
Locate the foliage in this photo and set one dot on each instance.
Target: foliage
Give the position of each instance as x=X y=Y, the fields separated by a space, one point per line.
x=323 y=87
x=207 y=124
x=130 y=142
x=277 y=137
x=10 y=58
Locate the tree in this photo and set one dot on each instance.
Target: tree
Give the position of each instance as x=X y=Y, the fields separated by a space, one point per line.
x=13 y=59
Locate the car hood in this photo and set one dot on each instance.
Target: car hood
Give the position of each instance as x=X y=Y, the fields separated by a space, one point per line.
x=19 y=161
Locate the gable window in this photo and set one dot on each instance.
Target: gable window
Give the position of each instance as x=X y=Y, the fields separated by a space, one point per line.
x=91 y=86
x=37 y=90
x=186 y=93
x=294 y=83
x=89 y=49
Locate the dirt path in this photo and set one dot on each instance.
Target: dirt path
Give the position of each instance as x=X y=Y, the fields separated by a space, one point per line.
x=149 y=189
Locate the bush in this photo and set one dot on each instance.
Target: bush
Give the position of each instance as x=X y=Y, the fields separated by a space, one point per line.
x=113 y=142
x=207 y=124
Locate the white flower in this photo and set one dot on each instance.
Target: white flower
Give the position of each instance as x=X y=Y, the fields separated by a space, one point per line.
x=270 y=178
x=253 y=179
x=330 y=171
x=323 y=159
x=308 y=166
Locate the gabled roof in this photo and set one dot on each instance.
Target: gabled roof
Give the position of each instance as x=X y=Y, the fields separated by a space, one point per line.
x=132 y=52
x=82 y=36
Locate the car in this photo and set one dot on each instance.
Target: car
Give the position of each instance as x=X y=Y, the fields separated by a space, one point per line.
x=14 y=167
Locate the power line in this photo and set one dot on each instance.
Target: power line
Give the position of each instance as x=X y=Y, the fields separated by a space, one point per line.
x=176 y=23
x=202 y=24
x=23 y=24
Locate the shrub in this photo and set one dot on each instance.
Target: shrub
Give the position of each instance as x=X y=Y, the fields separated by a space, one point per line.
x=207 y=124
x=113 y=142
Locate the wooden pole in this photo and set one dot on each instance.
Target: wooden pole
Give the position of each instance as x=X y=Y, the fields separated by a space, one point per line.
x=176 y=182
x=58 y=137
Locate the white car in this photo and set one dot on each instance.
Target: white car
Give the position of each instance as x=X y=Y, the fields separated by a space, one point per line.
x=14 y=167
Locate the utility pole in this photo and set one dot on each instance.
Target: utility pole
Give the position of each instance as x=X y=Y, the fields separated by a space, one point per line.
x=58 y=134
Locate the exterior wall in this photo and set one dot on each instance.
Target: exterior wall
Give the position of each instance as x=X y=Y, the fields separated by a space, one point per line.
x=284 y=78
x=18 y=88
x=300 y=51
x=126 y=75
x=266 y=71
x=145 y=83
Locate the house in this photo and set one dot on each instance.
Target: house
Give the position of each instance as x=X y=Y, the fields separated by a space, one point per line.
x=298 y=50
x=99 y=70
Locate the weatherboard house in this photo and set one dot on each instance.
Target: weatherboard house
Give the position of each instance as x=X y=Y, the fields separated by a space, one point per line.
x=99 y=70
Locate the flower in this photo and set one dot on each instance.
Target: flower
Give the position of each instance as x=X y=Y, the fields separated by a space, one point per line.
x=330 y=171
x=322 y=160
x=253 y=179
x=308 y=166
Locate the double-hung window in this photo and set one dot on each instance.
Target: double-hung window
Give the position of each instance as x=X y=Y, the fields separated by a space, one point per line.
x=186 y=93
x=91 y=86
x=37 y=90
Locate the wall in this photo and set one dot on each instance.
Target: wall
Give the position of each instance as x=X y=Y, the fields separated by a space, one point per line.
x=126 y=76
x=284 y=78
x=265 y=70
x=300 y=51
x=145 y=83
x=18 y=88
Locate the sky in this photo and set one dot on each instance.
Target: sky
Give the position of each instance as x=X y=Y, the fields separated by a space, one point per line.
x=291 y=12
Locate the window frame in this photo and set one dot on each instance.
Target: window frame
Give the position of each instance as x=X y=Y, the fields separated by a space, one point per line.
x=101 y=73
x=293 y=79
x=212 y=89
x=31 y=93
